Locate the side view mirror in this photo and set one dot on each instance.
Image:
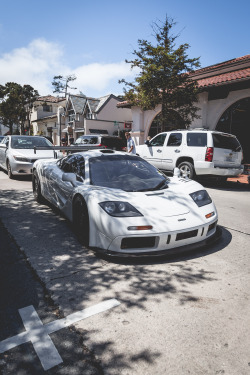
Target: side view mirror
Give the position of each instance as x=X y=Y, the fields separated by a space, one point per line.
x=70 y=177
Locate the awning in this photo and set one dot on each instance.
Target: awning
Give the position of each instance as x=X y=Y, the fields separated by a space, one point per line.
x=79 y=131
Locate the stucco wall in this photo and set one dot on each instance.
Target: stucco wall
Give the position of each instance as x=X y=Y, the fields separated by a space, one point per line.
x=210 y=112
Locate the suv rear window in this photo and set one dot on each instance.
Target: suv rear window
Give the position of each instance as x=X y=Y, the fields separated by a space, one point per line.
x=113 y=142
x=226 y=141
x=197 y=139
x=87 y=140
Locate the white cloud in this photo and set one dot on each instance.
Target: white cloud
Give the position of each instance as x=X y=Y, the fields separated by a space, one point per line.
x=100 y=77
x=33 y=65
x=37 y=64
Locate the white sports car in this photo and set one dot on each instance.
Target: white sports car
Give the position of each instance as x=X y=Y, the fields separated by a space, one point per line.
x=123 y=205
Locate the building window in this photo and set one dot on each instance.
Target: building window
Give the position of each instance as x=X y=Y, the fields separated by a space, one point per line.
x=47 y=108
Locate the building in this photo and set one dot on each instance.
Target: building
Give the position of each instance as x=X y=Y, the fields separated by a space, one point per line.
x=86 y=115
x=46 y=118
x=224 y=103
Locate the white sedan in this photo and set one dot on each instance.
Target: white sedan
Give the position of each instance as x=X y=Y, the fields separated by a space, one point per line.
x=123 y=205
x=17 y=153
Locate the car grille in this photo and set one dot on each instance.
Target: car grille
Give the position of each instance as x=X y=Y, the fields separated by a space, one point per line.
x=138 y=242
x=185 y=235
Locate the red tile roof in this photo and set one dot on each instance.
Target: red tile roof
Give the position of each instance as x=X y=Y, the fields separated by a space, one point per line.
x=50 y=98
x=225 y=72
x=225 y=78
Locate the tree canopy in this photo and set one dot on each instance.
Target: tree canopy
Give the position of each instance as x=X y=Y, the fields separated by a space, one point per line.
x=16 y=103
x=164 y=76
x=61 y=84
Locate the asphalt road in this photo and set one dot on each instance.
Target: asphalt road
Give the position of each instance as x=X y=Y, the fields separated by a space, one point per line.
x=182 y=315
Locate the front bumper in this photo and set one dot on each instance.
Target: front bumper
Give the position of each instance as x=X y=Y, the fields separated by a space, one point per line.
x=174 y=251
x=19 y=168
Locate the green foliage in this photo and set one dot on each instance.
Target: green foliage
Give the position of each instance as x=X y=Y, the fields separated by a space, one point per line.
x=16 y=103
x=61 y=84
x=163 y=76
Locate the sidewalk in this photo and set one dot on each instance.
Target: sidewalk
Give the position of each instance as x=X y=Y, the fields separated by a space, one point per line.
x=243 y=179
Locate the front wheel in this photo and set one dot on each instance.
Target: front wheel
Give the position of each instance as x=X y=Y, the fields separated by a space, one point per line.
x=37 y=188
x=9 y=170
x=187 y=169
x=81 y=220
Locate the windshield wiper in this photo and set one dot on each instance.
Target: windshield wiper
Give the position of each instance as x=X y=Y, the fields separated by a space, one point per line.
x=162 y=185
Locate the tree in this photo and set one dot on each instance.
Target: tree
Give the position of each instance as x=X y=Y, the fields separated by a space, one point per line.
x=164 y=76
x=16 y=103
x=61 y=84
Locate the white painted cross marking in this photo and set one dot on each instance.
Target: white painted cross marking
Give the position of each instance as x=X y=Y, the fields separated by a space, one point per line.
x=38 y=333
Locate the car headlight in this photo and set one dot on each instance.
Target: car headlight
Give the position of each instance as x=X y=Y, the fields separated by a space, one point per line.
x=201 y=198
x=21 y=158
x=119 y=209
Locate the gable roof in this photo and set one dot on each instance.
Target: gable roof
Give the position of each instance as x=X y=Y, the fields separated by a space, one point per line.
x=79 y=102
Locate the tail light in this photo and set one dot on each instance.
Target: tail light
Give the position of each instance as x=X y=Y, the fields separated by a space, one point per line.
x=209 y=154
x=100 y=145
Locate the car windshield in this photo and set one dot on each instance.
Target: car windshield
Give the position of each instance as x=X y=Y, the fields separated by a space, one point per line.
x=128 y=173
x=29 y=142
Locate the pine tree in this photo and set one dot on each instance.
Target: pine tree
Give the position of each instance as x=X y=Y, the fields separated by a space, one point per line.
x=164 y=76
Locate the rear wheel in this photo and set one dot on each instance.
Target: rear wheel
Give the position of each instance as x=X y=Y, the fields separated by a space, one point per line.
x=81 y=220
x=9 y=170
x=187 y=169
x=37 y=188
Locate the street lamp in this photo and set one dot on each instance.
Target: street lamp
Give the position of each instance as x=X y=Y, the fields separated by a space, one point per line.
x=60 y=115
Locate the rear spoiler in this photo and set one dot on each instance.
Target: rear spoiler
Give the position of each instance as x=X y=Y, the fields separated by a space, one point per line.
x=67 y=148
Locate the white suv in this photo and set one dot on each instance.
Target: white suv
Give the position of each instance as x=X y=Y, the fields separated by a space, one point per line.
x=195 y=152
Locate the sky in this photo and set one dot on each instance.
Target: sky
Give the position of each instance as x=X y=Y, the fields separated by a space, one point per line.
x=92 y=39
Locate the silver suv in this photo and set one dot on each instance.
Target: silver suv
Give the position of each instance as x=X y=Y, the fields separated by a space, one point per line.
x=195 y=152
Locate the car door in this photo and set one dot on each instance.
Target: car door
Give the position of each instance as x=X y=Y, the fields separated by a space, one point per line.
x=154 y=150
x=171 y=151
x=62 y=191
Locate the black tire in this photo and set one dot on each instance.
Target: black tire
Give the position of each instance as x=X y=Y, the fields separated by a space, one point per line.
x=81 y=220
x=36 y=185
x=9 y=170
x=187 y=169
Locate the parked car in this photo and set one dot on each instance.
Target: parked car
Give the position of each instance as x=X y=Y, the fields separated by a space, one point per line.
x=196 y=152
x=123 y=205
x=17 y=153
x=114 y=143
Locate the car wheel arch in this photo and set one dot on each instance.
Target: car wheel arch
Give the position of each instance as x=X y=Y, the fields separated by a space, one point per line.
x=183 y=159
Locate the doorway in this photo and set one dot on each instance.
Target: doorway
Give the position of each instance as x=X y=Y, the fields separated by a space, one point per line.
x=236 y=120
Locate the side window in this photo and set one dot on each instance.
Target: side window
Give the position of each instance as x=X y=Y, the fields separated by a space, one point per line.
x=5 y=140
x=158 y=140
x=174 y=139
x=197 y=139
